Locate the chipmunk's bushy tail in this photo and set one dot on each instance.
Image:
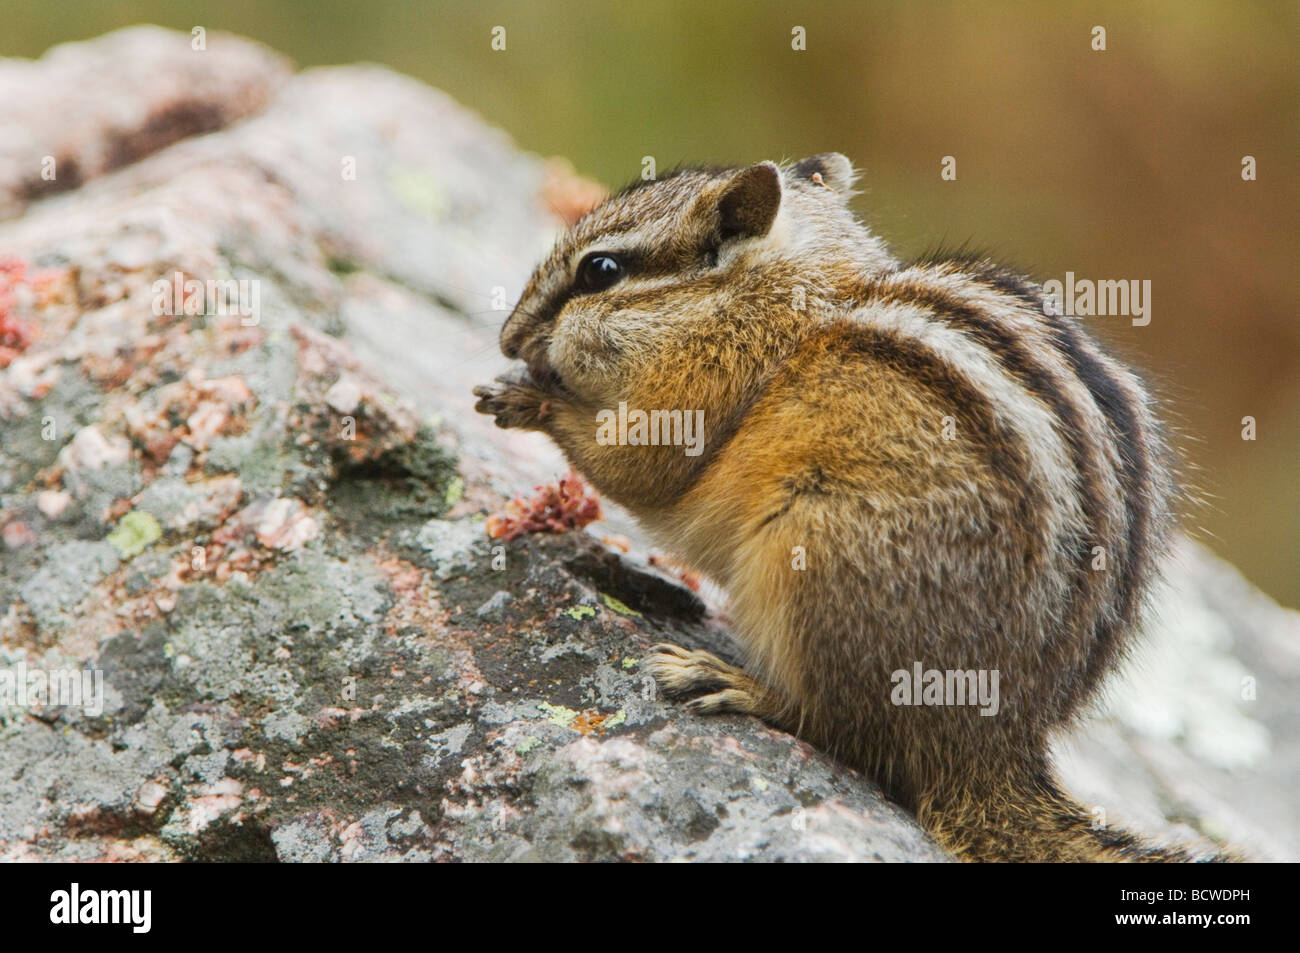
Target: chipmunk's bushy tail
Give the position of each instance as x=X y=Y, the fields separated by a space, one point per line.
x=1009 y=820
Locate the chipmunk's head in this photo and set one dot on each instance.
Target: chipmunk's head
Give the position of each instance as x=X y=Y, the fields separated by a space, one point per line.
x=666 y=266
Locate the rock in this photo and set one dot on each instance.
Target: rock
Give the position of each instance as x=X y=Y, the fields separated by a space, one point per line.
x=91 y=450
x=451 y=547
x=52 y=502
x=281 y=523
x=265 y=524
x=344 y=395
x=495 y=606
x=162 y=90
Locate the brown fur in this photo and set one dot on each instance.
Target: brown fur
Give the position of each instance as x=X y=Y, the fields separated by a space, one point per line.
x=944 y=455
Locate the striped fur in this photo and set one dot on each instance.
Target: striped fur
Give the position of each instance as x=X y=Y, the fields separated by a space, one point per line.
x=943 y=456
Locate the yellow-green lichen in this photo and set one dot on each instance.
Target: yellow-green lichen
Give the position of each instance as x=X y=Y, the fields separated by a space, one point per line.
x=620 y=607
x=580 y=612
x=455 y=490
x=528 y=744
x=630 y=662
x=614 y=720
x=558 y=714
x=418 y=191
x=136 y=532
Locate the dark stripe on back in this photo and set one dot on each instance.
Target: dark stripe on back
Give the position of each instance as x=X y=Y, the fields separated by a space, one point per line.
x=1017 y=359
x=1126 y=431
x=916 y=361
x=1006 y=454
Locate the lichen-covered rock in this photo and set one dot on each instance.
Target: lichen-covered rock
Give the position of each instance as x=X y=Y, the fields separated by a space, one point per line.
x=65 y=124
x=241 y=483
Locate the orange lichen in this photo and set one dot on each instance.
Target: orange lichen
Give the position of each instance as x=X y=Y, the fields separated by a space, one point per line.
x=689 y=577
x=16 y=335
x=554 y=508
x=595 y=722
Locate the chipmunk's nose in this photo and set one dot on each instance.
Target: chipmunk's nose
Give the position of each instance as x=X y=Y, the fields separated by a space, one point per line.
x=511 y=338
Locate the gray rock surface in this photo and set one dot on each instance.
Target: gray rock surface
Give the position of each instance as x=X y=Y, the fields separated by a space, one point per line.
x=264 y=527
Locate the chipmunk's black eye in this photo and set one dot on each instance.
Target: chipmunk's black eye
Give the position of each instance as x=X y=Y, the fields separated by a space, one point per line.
x=598 y=271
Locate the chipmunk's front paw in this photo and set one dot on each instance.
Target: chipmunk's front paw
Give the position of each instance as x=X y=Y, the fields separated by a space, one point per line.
x=514 y=401
x=682 y=671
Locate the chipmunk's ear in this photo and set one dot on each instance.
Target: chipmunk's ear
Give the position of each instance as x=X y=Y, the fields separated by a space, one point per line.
x=831 y=169
x=748 y=202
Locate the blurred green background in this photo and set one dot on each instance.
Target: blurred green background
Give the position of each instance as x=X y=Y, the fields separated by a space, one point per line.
x=1117 y=164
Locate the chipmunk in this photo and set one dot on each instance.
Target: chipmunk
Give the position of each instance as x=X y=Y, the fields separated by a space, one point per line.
x=901 y=465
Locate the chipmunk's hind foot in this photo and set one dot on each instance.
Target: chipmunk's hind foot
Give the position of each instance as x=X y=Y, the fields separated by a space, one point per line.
x=727 y=688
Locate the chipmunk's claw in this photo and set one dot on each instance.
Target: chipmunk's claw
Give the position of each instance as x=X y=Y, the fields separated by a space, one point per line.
x=513 y=401
x=680 y=671
x=734 y=700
